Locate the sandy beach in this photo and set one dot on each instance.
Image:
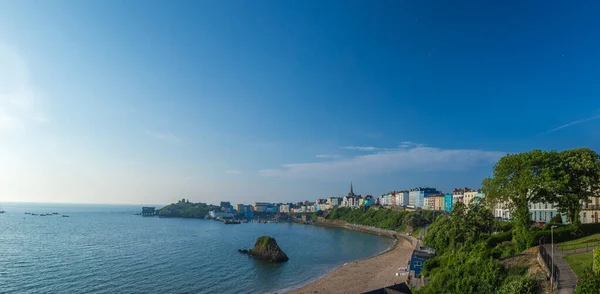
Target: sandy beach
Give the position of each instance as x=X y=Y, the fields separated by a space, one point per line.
x=366 y=274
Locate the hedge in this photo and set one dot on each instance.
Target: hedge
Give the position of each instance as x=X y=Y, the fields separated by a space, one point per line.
x=561 y=234
x=590 y=229
x=496 y=239
x=565 y=233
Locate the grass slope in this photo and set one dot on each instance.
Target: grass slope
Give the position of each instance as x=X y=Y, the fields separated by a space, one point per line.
x=579 y=261
x=592 y=240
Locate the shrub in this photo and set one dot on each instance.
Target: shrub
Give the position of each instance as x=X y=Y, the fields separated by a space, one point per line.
x=557 y=219
x=430 y=264
x=505 y=226
x=561 y=234
x=496 y=239
x=518 y=284
x=588 y=283
x=504 y=249
x=596 y=261
x=464 y=272
x=517 y=270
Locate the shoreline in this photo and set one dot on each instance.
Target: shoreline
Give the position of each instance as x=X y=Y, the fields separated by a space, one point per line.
x=363 y=274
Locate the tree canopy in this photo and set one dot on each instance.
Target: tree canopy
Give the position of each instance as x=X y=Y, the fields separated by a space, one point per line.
x=463 y=227
x=520 y=179
x=576 y=180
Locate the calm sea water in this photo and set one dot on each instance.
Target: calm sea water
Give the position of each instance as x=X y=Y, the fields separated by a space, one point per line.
x=108 y=249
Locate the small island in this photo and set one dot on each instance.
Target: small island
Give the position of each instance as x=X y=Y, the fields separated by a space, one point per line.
x=266 y=248
x=186 y=209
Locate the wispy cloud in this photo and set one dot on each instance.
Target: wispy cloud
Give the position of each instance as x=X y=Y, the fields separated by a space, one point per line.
x=19 y=100
x=327 y=156
x=574 y=123
x=410 y=144
x=416 y=159
x=164 y=136
x=234 y=171
x=361 y=148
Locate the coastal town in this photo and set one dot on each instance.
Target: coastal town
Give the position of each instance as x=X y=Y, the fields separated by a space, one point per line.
x=419 y=198
x=513 y=225
x=299 y=147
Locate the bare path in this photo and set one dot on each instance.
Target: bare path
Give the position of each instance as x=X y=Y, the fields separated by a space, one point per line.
x=567 y=280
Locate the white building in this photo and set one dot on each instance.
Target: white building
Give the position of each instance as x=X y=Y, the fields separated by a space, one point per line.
x=260 y=206
x=350 y=201
x=392 y=199
x=501 y=210
x=401 y=198
x=284 y=208
x=334 y=201
x=458 y=195
x=384 y=200
x=590 y=211
x=544 y=212
x=469 y=196
x=219 y=215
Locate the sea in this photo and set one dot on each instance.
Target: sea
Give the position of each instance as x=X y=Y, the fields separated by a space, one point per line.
x=109 y=249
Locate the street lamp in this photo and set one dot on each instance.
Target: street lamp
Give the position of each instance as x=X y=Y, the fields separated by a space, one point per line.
x=552 y=270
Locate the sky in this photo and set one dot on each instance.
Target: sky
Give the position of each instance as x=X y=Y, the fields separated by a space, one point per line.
x=153 y=101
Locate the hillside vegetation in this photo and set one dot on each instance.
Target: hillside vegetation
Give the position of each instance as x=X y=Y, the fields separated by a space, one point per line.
x=384 y=218
x=187 y=209
x=465 y=259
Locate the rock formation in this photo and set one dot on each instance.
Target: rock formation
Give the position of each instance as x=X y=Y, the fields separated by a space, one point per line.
x=266 y=248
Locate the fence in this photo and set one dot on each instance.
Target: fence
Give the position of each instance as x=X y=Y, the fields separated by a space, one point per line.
x=579 y=247
x=548 y=261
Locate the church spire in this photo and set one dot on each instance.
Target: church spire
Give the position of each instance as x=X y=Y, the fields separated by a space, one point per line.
x=351 y=191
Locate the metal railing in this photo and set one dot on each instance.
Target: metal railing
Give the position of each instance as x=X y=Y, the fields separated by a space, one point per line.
x=548 y=261
x=579 y=247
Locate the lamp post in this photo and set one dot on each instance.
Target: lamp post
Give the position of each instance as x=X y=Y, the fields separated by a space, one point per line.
x=552 y=270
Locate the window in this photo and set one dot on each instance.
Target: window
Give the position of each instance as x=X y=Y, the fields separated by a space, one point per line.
x=584 y=216
x=551 y=214
x=546 y=206
x=417 y=263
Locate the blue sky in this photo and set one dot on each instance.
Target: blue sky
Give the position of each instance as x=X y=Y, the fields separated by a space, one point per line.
x=150 y=101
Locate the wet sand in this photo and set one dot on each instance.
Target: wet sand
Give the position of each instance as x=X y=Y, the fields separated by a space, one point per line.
x=366 y=274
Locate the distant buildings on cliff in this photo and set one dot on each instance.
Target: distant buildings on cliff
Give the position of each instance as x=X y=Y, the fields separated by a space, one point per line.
x=425 y=198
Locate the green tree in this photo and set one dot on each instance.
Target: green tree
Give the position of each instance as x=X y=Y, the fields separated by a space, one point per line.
x=518 y=180
x=576 y=180
x=462 y=228
x=588 y=283
x=557 y=219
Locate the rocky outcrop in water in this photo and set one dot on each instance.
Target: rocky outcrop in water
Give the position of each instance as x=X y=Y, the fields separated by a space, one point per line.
x=266 y=248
